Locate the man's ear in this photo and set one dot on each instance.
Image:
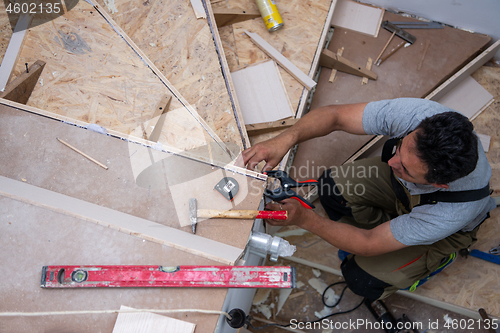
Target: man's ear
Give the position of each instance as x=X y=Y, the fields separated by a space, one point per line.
x=445 y=186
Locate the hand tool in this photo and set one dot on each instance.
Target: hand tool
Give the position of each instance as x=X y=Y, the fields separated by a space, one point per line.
x=284 y=191
x=495 y=250
x=481 y=255
x=195 y=213
x=62 y=276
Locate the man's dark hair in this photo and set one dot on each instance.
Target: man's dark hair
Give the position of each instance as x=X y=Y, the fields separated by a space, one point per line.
x=447 y=144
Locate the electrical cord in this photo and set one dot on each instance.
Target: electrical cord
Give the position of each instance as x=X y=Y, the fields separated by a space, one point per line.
x=318 y=320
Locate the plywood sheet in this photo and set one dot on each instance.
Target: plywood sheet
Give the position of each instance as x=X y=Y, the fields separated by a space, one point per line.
x=183 y=49
x=357 y=17
x=261 y=93
x=147 y=322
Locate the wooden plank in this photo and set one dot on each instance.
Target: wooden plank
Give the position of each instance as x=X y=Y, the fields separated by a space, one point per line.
x=229 y=16
x=20 y=89
x=282 y=61
x=255 y=129
x=158 y=119
x=261 y=92
x=331 y=60
x=13 y=50
x=147 y=322
x=126 y=223
x=358 y=17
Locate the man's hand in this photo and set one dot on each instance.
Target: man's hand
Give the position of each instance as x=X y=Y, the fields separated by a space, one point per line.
x=315 y=123
x=297 y=214
x=271 y=151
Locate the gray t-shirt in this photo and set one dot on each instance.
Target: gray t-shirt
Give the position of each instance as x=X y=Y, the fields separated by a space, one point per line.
x=428 y=224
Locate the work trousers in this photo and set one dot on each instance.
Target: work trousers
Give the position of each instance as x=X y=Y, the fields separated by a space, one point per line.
x=361 y=194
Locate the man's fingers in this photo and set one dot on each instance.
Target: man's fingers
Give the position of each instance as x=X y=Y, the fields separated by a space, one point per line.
x=274 y=206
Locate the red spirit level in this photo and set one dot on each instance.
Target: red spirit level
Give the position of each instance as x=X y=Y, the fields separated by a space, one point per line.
x=163 y=276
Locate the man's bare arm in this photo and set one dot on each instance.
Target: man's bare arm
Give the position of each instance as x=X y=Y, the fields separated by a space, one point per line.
x=376 y=241
x=316 y=123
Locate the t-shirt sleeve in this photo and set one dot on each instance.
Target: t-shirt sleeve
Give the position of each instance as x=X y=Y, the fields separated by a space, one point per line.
x=398 y=117
x=427 y=224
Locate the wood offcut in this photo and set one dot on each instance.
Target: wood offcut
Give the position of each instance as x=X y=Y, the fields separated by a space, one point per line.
x=20 y=89
x=228 y=16
x=331 y=60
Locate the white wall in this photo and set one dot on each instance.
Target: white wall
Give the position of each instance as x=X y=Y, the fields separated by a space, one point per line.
x=480 y=16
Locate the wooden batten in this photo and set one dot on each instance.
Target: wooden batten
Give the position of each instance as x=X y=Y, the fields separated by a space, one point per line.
x=255 y=129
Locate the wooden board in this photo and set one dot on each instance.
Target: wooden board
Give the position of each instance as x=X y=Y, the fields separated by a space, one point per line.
x=358 y=17
x=147 y=322
x=183 y=49
x=261 y=93
x=444 y=57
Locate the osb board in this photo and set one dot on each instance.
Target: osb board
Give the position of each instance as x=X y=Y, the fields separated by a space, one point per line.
x=51 y=239
x=183 y=49
x=140 y=181
x=5 y=30
x=93 y=75
x=297 y=40
x=449 y=50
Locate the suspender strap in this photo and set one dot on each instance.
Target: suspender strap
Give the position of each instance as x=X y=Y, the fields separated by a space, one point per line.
x=454 y=196
x=400 y=192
